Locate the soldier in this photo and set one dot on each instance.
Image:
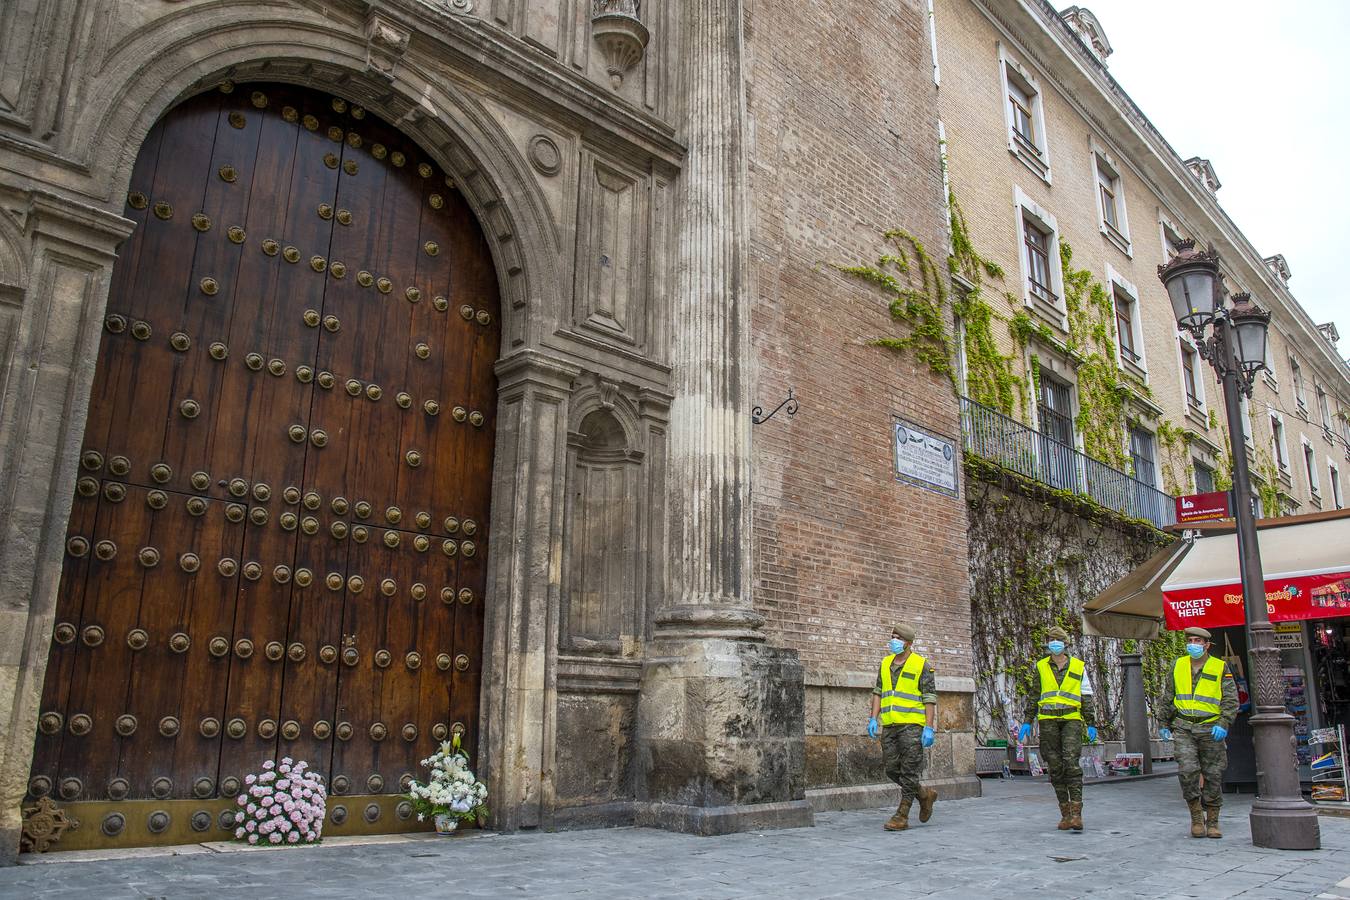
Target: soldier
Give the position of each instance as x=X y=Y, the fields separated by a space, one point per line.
x=1061 y=708
x=905 y=702
x=1200 y=702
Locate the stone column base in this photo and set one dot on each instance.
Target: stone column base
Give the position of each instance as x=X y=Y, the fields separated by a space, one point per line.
x=711 y=820
x=721 y=735
x=876 y=796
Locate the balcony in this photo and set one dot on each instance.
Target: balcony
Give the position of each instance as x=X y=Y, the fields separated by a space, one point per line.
x=992 y=436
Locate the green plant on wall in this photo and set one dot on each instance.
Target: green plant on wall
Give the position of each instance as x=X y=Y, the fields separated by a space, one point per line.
x=1174 y=457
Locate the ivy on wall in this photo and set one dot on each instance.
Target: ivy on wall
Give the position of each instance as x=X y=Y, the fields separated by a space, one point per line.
x=1037 y=553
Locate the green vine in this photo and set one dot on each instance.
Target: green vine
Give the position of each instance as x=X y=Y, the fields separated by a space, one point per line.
x=1102 y=394
x=1174 y=457
x=917 y=297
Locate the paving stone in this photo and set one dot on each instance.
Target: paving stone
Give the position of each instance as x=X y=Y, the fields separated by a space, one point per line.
x=1004 y=844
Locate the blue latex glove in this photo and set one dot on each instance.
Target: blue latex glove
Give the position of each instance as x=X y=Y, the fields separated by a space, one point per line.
x=1218 y=732
x=1092 y=734
x=1165 y=733
x=927 y=739
x=872 y=727
x=1023 y=733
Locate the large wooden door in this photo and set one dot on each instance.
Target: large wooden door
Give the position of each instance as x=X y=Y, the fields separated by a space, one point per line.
x=278 y=540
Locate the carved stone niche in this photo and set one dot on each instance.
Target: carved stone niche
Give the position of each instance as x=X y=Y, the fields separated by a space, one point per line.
x=617 y=28
x=602 y=578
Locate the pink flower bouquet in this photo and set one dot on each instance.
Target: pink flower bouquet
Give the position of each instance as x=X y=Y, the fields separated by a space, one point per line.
x=283 y=804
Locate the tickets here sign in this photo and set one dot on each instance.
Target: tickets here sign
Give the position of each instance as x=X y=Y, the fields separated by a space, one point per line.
x=1287 y=600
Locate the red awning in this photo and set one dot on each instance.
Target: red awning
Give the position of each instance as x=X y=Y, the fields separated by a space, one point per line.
x=1305 y=560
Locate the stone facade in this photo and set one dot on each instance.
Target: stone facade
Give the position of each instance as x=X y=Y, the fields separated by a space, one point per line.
x=662 y=229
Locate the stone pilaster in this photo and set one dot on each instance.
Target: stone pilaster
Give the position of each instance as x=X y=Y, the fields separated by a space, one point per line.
x=519 y=695
x=47 y=356
x=721 y=742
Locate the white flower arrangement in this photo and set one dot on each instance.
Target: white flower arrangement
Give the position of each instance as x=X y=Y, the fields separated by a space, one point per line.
x=452 y=789
x=282 y=804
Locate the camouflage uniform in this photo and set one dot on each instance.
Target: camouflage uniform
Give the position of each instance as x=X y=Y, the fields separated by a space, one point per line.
x=1062 y=741
x=901 y=746
x=1196 y=750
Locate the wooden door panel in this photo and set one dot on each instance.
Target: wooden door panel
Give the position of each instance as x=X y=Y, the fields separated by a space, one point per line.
x=294 y=562
x=177 y=681
x=53 y=715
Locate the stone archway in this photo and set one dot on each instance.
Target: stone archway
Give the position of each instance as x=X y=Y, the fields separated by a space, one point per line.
x=72 y=260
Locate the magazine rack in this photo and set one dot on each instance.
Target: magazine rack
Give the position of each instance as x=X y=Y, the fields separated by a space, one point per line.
x=1328 y=767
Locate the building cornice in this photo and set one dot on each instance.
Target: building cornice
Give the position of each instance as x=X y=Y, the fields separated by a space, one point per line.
x=1081 y=80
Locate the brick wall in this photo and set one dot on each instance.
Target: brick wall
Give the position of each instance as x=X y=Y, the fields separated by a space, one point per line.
x=843 y=147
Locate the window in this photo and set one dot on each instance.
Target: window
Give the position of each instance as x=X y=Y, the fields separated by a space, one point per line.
x=1258 y=508
x=1042 y=278
x=1204 y=478
x=1037 y=244
x=1171 y=240
x=1111 y=202
x=1141 y=455
x=1334 y=482
x=1025 y=116
x=1323 y=408
x=1019 y=107
x=1310 y=466
x=1057 y=455
x=1190 y=379
x=1278 y=447
x=1054 y=409
x=1297 y=374
x=1125 y=326
x=1246 y=409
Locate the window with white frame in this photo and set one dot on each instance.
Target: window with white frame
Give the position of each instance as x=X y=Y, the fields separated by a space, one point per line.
x=1143 y=456
x=1204 y=478
x=1171 y=240
x=1191 y=382
x=1278 y=448
x=1111 y=202
x=1042 y=278
x=1323 y=408
x=1023 y=109
x=1258 y=508
x=1245 y=408
x=1125 y=333
x=1310 y=465
x=1334 y=484
x=1296 y=374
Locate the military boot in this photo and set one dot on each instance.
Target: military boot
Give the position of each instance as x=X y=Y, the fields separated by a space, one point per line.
x=1197 y=818
x=1064 y=816
x=900 y=821
x=927 y=797
x=1212 y=822
x=1076 y=815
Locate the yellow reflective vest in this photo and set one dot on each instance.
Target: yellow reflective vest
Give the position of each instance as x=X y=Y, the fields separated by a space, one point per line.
x=902 y=701
x=1200 y=702
x=1061 y=700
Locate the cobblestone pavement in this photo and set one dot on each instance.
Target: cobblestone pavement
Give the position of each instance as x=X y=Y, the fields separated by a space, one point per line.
x=1003 y=845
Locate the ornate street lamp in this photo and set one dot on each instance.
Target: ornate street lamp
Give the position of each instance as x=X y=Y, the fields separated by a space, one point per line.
x=1280 y=817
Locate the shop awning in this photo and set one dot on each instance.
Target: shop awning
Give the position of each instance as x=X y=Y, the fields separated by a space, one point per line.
x=1196 y=581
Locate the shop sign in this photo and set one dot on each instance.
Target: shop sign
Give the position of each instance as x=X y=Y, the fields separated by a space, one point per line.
x=924 y=459
x=1289 y=635
x=1296 y=599
x=1202 y=507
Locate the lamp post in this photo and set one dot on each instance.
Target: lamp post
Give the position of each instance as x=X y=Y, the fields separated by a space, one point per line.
x=1236 y=348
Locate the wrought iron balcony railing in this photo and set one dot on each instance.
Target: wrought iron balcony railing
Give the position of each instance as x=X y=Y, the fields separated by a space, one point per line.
x=989 y=434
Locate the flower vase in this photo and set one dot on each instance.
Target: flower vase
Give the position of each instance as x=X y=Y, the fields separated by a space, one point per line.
x=446 y=824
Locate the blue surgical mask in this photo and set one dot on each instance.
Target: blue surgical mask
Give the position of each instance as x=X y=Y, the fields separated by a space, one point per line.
x=897 y=645
x=1055 y=647
x=1195 y=650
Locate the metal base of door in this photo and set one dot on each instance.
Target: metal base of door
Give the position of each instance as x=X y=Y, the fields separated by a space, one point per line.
x=106 y=824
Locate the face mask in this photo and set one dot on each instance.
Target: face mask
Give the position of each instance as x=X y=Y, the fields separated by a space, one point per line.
x=1056 y=647
x=1195 y=650
x=897 y=645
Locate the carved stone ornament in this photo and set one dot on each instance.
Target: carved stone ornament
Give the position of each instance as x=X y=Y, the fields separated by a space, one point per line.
x=620 y=34
x=43 y=825
x=386 y=42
